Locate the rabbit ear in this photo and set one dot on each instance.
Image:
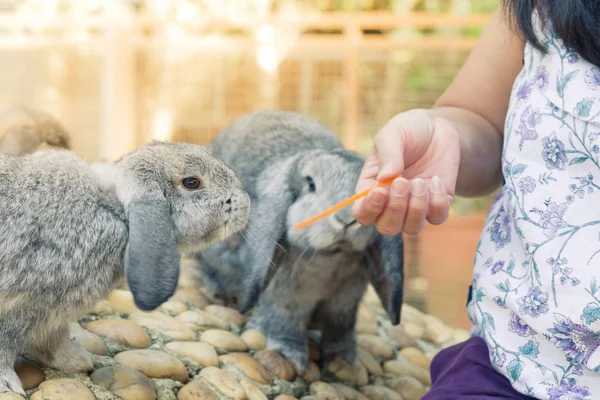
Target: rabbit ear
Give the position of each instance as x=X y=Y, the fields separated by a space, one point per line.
x=19 y=141
x=386 y=272
x=151 y=259
x=266 y=227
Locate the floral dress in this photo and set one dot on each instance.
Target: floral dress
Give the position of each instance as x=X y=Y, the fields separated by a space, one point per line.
x=535 y=295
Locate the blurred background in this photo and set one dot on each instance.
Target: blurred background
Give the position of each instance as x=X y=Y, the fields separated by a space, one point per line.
x=119 y=73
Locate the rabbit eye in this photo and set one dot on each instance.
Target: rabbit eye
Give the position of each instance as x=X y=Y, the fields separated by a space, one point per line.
x=191 y=183
x=311 y=184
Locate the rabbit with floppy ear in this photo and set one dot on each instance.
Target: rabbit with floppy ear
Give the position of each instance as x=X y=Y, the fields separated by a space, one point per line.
x=294 y=168
x=24 y=130
x=70 y=232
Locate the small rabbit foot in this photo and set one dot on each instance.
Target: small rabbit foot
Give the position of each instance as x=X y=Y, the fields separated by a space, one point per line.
x=295 y=351
x=10 y=382
x=346 y=350
x=64 y=355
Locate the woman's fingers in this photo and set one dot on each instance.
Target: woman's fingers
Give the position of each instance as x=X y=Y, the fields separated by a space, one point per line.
x=417 y=206
x=368 y=209
x=405 y=206
x=391 y=221
x=439 y=202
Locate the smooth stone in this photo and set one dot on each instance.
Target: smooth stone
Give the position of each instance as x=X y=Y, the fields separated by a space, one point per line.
x=312 y=373
x=371 y=297
x=415 y=331
x=29 y=374
x=407 y=386
x=415 y=355
x=461 y=335
x=354 y=373
x=102 y=307
x=121 y=331
x=203 y=353
x=370 y=363
x=402 y=366
x=154 y=364
x=324 y=391
x=347 y=392
x=277 y=364
x=376 y=346
x=126 y=383
x=380 y=393
x=223 y=340
x=227 y=314
x=399 y=336
x=249 y=366
x=410 y=313
x=252 y=391
x=365 y=328
x=310 y=398
x=164 y=323
x=86 y=339
x=436 y=331
x=254 y=339
x=173 y=307
x=10 y=396
x=195 y=391
x=122 y=301
x=366 y=315
x=201 y=321
x=62 y=389
x=285 y=397
x=223 y=382
x=192 y=297
x=189 y=278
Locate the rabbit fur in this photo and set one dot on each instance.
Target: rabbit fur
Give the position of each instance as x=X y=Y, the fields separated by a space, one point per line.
x=71 y=232
x=293 y=168
x=24 y=130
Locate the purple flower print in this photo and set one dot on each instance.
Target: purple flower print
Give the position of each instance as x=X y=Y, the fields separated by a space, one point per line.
x=552 y=219
x=529 y=120
x=592 y=78
x=519 y=327
x=533 y=303
x=573 y=58
x=497 y=267
x=577 y=341
x=527 y=185
x=500 y=229
x=554 y=152
x=596 y=149
x=568 y=390
x=524 y=90
x=541 y=77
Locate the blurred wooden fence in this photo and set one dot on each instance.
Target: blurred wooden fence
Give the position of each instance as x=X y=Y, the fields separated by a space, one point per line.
x=118 y=82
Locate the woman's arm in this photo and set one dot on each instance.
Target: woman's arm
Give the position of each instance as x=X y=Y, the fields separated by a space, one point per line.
x=455 y=147
x=476 y=104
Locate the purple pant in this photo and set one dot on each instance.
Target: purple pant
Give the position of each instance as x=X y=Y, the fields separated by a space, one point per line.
x=464 y=371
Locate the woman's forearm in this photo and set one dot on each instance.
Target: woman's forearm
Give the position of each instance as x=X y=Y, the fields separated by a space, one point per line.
x=480 y=148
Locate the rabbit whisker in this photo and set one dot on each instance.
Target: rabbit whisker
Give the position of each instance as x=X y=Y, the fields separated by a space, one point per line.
x=251 y=247
x=275 y=242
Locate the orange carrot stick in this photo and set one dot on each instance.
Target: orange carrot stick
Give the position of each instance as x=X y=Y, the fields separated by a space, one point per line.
x=342 y=204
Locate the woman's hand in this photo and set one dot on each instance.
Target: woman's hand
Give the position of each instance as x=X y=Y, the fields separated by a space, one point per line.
x=425 y=150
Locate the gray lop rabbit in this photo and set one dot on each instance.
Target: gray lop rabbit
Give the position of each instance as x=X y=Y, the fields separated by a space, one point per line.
x=293 y=168
x=71 y=232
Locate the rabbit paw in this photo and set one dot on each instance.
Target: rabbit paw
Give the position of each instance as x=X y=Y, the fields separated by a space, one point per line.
x=294 y=350
x=10 y=382
x=68 y=357
x=345 y=348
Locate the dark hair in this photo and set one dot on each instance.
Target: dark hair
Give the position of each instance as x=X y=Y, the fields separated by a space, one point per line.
x=575 y=22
